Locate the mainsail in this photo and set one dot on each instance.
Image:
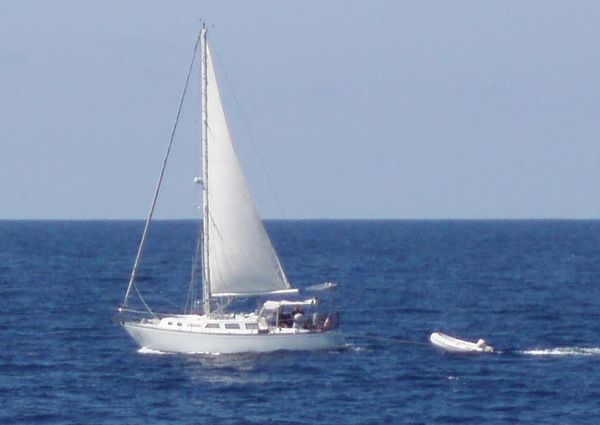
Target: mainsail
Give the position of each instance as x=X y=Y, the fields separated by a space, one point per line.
x=241 y=259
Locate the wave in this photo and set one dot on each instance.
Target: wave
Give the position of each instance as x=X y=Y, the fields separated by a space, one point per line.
x=564 y=351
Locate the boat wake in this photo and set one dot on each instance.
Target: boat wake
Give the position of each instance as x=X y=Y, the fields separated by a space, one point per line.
x=353 y=347
x=563 y=351
x=145 y=350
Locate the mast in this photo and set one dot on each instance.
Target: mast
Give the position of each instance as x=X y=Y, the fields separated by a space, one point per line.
x=206 y=214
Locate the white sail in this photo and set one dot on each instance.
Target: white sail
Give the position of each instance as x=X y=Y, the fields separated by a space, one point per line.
x=241 y=259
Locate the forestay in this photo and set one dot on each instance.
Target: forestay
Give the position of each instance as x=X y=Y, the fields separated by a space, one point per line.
x=241 y=259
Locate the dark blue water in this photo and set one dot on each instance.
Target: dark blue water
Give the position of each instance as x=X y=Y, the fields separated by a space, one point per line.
x=529 y=287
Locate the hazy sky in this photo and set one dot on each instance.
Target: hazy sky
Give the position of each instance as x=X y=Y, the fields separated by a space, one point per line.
x=354 y=109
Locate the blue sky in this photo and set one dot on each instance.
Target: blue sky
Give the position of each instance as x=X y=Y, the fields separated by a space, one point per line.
x=339 y=109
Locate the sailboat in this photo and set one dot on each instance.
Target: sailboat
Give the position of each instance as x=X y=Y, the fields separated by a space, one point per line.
x=237 y=260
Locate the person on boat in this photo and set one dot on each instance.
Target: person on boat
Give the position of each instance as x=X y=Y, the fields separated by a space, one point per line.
x=285 y=319
x=316 y=322
x=298 y=320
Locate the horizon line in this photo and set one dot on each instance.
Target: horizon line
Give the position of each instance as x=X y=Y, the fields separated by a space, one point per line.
x=328 y=219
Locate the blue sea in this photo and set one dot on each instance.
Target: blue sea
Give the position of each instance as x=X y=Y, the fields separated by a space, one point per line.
x=530 y=288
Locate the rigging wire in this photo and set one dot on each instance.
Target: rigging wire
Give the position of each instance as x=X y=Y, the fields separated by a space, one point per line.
x=191 y=297
x=143 y=301
x=158 y=184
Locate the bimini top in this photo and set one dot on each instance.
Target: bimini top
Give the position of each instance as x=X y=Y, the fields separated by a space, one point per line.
x=274 y=305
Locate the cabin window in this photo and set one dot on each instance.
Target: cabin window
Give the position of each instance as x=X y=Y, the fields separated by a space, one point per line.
x=178 y=323
x=251 y=325
x=212 y=326
x=170 y=323
x=232 y=325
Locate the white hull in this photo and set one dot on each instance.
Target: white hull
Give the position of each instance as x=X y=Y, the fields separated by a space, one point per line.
x=176 y=341
x=455 y=345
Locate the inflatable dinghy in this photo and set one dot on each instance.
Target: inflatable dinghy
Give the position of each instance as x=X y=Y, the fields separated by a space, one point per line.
x=455 y=345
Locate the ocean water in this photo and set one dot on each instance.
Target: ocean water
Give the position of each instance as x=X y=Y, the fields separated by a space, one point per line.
x=530 y=288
